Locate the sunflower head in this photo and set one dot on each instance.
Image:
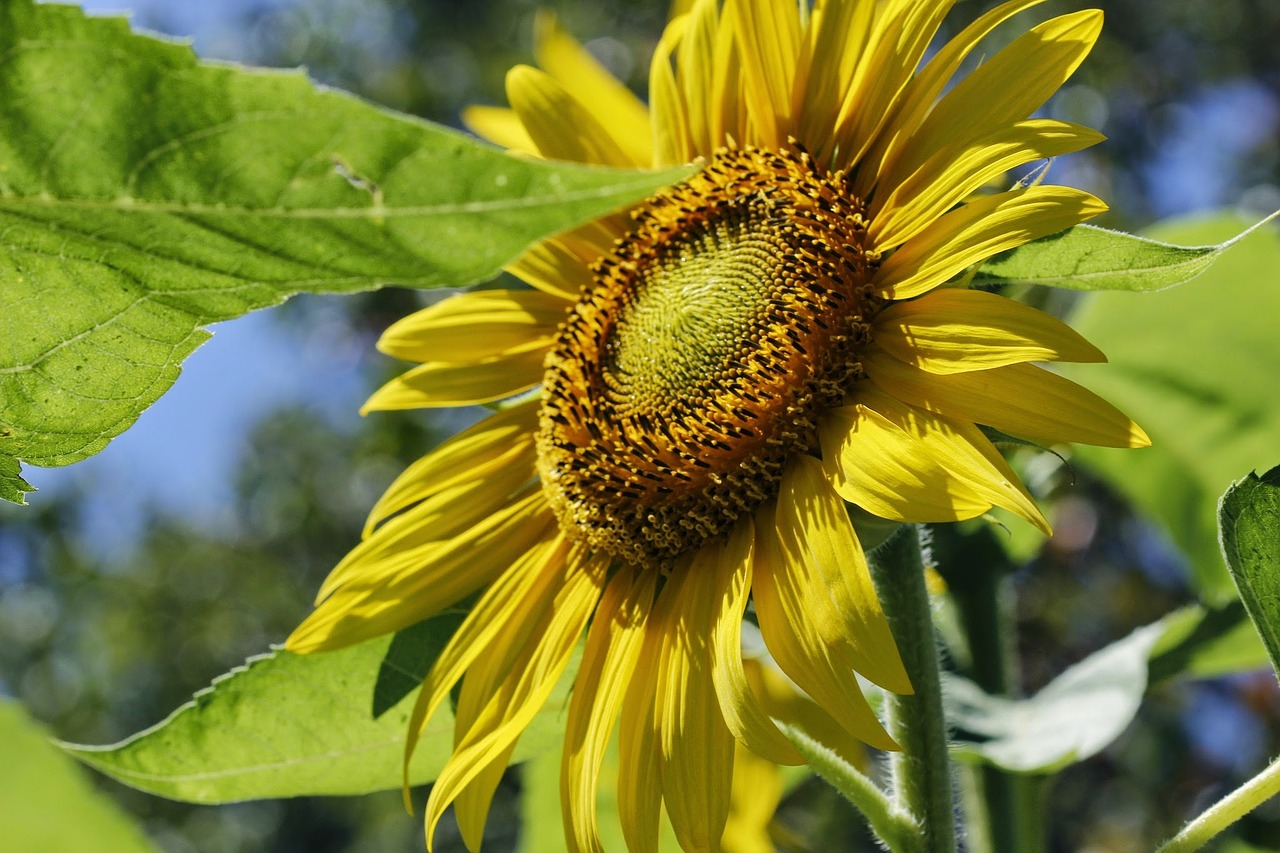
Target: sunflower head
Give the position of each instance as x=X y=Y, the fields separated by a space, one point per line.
x=699 y=360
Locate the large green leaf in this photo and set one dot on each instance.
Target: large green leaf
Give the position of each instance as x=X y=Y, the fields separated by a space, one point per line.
x=1199 y=367
x=1249 y=517
x=1090 y=258
x=286 y=725
x=1074 y=717
x=47 y=804
x=144 y=195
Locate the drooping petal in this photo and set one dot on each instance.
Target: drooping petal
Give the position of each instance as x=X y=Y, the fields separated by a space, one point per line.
x=443 y=384
x=608 y=663
x=956 y=331
x=508 y=706
x=640 y=746
x=471 y=327
x=978 y=230
x=814 y=528
x=1020 y=399
x=613 y=105
x=780 y=697
x=907 y=464
x=790 y=606
x=742 y=711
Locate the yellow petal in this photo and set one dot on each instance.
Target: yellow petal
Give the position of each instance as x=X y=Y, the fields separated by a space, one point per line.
x=956 y=171
x=558 y=123
x=697 y=747
x=608 y=663
x=1006 y=88
x=955 y=331
x=757 y=790
x=671 y=140
x=470 y=327
x=789 y=603
x=553 y=268
x=441 y=384
x=640 y=747
x=499 y=125
x=1020 y=399
x=783 y=701
x=835 y=40
x=494 y=444
x=906 y=464
x=977 y=231
x=742 y=711
x=400 y=594
x=523 y=691
x=769 y=43
x=814 y=527
x=511 y=605
x=612 y=104
x=925 y=88
x=696 y=74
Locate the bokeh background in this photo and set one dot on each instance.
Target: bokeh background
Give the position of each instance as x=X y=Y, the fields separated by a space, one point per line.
x=198 y=537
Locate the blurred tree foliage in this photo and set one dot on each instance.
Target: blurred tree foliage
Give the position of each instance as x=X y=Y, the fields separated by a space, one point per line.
x=98 y=646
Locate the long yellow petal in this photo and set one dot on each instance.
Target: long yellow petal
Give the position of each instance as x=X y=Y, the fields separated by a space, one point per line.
x=977 y=231
x=470 y=327
x=697 y=747
x=523 y=691
x=788 y=605
x=672 y=142
x=696 y=74
x=1020 y=399
x=640 y=746
x=613 y=105
x=924 y=90
x=438 y=384
x=742 y=711
x=1007 y=88
x=608 y=663
x=836 y=39
x=375 y=603
x=558 y=123
x=510 y=606
x=906 y=464
x=955 y=172
x=769 y=43
x=955 y=331
x=814 y=526
x=784 y=701
x=499 y=125
x=494 y=444
x=553 y=268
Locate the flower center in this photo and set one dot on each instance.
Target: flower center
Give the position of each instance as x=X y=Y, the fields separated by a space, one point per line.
x=698 y=361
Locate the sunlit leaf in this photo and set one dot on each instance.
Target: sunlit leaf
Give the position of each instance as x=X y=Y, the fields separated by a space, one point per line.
x=145 y=195
x=1090 y=258
x=1249 y=516
x=1199 y=368
x=287 y=725
x=12 y=486
x=47 y=803
x=1074 y=717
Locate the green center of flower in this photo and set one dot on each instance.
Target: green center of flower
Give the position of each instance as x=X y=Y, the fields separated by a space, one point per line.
x=698 y=361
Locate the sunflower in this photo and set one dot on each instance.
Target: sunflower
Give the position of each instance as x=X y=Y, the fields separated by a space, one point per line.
x=693 y=391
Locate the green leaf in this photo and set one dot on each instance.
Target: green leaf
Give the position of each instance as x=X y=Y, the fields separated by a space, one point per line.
x=1199 y=368
x=1249 y=518
x=288 y=725
x=1074 y=717
x=12 y=486
x=412 y=651
x=1090 y=258
x=145 y=195
x=47 y=803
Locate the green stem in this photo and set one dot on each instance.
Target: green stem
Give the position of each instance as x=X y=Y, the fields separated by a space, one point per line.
x=1226 y=811
x=1006 y=809
x=921 y=772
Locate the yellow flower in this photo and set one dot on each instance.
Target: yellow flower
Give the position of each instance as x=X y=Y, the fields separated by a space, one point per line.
x=719 y=371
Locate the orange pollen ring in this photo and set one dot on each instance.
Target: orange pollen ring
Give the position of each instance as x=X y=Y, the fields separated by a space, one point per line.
x=698 y=361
